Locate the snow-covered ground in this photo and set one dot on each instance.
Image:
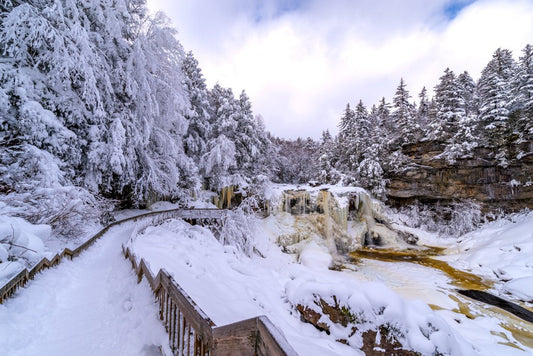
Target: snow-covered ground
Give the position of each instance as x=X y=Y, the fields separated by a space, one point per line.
x=503 y=251
x=91 y=305
x=23 y=244
x=231 y=286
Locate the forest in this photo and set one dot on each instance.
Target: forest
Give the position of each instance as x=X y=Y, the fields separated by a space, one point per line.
x=405 y=231
x=100 y=105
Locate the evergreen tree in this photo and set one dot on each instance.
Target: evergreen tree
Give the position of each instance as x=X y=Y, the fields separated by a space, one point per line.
x=423 y=109
x=355 y=135
x=494 y=89
x=346 y=133
x=383 y=120
x=362 y=135
x=221 y=152
x=370 y=174
x=347 y=123
x=198 y=114
x=251 y=141
x=326 y=160
x=450 y=107
x=403 y=116
x=233 y=119
x=523 y=96
x=467 y=88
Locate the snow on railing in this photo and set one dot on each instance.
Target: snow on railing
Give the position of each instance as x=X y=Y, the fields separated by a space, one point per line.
x=192 y=215
x=192 y=332
x=188 y=328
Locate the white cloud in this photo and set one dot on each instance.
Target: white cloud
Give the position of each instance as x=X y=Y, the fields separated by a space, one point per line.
x=300 y=67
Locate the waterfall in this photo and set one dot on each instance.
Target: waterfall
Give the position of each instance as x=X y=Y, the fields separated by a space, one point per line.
x=342 y=218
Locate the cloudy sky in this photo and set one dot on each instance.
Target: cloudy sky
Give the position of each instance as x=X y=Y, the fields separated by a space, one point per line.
x=301 y=61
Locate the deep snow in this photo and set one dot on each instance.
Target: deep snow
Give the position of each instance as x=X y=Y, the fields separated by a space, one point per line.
x=90 y=306
x=93 y=305
x=230 y=286
x=501 y=250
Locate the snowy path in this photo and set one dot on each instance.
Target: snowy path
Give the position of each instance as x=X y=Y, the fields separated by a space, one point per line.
x=89 y=306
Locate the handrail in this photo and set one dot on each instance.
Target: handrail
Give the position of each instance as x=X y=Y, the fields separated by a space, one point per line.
x=21 y=278
x=192 y=332
x=188 y=327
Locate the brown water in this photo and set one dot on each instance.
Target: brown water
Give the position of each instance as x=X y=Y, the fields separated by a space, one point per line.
x=460 y=279
x=521 y=331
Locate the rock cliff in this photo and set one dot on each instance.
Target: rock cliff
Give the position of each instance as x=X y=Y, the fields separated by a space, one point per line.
x=429 y=178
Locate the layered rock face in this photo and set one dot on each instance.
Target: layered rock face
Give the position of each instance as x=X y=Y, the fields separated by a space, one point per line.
x=431 y=179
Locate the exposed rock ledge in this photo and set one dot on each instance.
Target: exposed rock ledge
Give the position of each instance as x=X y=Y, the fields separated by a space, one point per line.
x=382 y=341
x=431 y=179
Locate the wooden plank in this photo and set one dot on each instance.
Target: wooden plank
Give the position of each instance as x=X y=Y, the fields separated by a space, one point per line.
x=270 y=340
x=67 y=252
x=194 y=315
x=37 y=268
x=147 y=273
x=235 y=339
x=173 y=327
x=12 y=284
x=178 y=331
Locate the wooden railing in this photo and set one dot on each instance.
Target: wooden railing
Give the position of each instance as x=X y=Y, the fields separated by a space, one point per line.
x=189 y=329
x=192 y=215
x=192 y=332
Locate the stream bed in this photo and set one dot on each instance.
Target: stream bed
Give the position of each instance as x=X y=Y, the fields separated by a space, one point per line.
x=419 y=274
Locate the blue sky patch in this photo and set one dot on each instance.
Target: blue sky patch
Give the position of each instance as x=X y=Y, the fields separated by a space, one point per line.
x=455 y=7
x=280 y=7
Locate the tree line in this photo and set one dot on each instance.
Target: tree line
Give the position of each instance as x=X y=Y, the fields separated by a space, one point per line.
x=101 y=95
x=99 y=99
x=494 y=113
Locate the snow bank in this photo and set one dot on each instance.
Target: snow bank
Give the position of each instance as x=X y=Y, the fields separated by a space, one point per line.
x=230 y=286
x=21 y=245
x=371 y=305
x=501 y=249
x=522 y=288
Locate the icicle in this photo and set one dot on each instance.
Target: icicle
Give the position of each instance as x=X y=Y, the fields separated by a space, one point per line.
x=226 y=196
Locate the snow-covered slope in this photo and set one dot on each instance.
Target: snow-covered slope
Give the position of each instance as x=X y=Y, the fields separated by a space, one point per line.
x=503 y=251
x=230 y=286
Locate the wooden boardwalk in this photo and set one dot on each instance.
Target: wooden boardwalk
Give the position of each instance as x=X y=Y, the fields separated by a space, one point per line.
x=190 y=330
x=191 y=215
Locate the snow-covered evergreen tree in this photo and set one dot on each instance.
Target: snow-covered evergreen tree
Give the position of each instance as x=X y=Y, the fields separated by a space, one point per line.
x=234 y=120
x=346 y=132
x=522 y=103
x=199 y=129
x=250 y=140
x=450 y=107
x=370 y=174
x=326 y=160
x=403 y=116
x=467 y=91
x=355 y=135
x=361 y=137
x=495 y=94
x=422 y=115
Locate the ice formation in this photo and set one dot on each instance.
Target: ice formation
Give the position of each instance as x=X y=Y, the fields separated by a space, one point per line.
x=341 y=219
